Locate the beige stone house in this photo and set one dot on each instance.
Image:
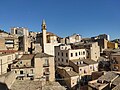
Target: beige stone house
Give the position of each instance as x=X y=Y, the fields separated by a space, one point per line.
x=84 y=66
x=64 y=53
x=44 y=67
x=7 y=57
x=70 y=77
x=20 y=31
x=71 y=39
x=39 y=66
x=92 y=49
x=24 y=66
x=9 y=42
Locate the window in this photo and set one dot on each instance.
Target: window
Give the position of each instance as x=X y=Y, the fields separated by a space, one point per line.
x=46 y=62
x=58 y=59
x=79 y=53
x=21 y=72
x=76 y=54
x=15 y=31
x=71 y=54
x=83 y=52
x=62 y=53
x=15 y=71
x=58 y=53
x=66 y=60
x=90 y=67
x=62 y=59
x=85 y=71
x=66 y=54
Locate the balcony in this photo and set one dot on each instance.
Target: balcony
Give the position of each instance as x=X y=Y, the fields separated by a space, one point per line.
x=21 y=75
x=46 y=73
x=30 y=75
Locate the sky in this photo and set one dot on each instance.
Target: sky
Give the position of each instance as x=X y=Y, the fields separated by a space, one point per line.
x=63 y=17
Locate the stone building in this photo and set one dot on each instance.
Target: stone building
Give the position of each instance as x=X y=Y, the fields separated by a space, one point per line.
x=2 y=44
x=24 y=66
x=92 y=49
x=23 y=36
x=39 y=66
x=44 y=67
x=7 y=57
x=64 y=53
x=84 y=67
x=8 y=42
x=71 y=39
x=112 y=45
x=20 y=31
x=70 y=77
x=101 y=36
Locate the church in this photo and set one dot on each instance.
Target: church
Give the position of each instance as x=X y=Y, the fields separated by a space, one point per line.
x=48 y=40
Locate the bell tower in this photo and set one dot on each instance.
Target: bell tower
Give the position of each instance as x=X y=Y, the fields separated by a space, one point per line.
x=44 y=29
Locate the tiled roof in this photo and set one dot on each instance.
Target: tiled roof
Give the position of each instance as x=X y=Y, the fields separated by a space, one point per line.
x=51 y=34
x=85 y=61
x=40 y=55
x=108 y=76
x=72 y=73
x=89 y=61
x=27 y=56
x=116 y=81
